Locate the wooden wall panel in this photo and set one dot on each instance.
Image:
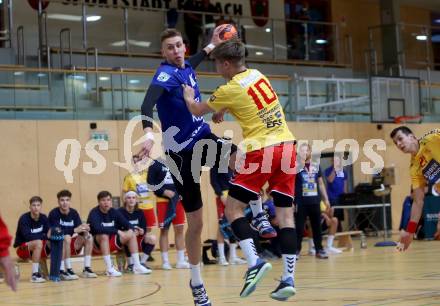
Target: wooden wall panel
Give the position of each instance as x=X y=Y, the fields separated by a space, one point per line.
x=19 y=169
x=28 y=150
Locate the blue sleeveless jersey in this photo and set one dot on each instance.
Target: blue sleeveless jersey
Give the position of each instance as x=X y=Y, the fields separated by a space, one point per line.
x=181 y=130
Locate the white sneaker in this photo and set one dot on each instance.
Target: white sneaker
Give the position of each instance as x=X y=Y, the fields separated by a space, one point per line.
x=37 y=278
x=166 y=266
x=312 y=252
x=182 y=265
x=222 y=262
x=237 y=261
x=141 y=270
x=113 y=272
x=333 y=250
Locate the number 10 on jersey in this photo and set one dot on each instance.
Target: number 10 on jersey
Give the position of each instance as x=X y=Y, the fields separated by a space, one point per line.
x=265 y=90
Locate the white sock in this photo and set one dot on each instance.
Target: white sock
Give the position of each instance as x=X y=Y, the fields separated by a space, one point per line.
x=62 y=268
x=232 y=250
x=256 y=207
x=107 y=261
x=196 y=276
x=87 y=261
x=289 y=266
x=68 y=263
x=130 y=260
x=330 y=239
x=165 y=258
x=144 y=258
x=311 y=244
x=249 y=250
x=180 y=255
x=221 y=250
x=35 y=266
x=135 y=258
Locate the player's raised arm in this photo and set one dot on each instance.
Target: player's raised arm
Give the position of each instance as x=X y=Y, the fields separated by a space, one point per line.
x=197 y=109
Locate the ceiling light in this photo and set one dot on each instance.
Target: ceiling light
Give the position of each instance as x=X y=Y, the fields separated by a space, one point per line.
x=93 y=18
x=41 y=75
x=267 y=30
x=421 y=37
x=78 y=77
x=137 y=43
x=65 y=17
x=259 y=53
x=321 y=41
x=134 y=81
x=18 y=73
x=104 y=78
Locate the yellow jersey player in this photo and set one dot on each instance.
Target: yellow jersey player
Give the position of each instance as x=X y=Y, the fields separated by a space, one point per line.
x=424 y=171
x=269 y=149
x=137 y=182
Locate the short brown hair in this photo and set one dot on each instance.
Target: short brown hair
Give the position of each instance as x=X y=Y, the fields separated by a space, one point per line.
x=232 y=50
x=64 y=193
x=35 y=199
x=103 y=194
x=404 y=129
x=168 y=33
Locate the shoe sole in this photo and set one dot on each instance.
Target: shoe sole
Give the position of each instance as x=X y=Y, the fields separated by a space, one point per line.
x=283 y=294
x=252 y=286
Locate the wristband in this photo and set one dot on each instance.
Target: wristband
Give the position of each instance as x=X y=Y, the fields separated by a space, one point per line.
x=149 y=136
x=210 y=47
x=412 y=227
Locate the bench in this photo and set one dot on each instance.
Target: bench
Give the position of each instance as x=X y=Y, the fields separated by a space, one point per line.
x=344 y=239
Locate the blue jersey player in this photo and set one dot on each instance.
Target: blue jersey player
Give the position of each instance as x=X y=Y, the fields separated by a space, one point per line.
x=181 y=132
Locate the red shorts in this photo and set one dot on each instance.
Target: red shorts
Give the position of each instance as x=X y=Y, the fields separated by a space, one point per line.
x=23 y=251
x=220 y=207
x=279 y=170
x=179 y=219
x=150 y=217
x=114 y=245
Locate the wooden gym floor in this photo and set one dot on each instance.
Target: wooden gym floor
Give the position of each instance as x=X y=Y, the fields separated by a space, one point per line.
x=372 y=276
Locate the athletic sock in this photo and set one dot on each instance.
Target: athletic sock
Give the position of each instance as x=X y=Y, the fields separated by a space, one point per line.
x=221 y=250
x=144 y=258
x=180 y=255
x=232 y=250
x=35 y=266
x=135 y=259
x=87 y=261
x=330 y=239
x=107 y=261
x=165 y=258
x=196 y=276
x=256 y=206
x=68 y=263
x=62 y=268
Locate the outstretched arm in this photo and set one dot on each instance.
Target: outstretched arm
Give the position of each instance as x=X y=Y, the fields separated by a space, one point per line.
x=197 y=109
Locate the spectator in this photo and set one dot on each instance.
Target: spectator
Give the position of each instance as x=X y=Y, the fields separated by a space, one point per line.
x=337 y=185
x=309 y=188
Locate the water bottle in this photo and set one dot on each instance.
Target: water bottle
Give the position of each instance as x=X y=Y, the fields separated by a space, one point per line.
x=363 y=241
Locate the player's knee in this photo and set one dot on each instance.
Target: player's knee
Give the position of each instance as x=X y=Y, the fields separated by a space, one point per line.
x=67 y=239
x=102 y=238
x=150 y=238
x=36 y=244
x=195 y=226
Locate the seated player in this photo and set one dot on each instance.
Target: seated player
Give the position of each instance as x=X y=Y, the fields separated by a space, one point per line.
x=111 y=231
x=137 y=182
x=76 y=236
x=31 y=237
x=330 y=223
x=424 y=171
x=169 y=210
x=136 y=217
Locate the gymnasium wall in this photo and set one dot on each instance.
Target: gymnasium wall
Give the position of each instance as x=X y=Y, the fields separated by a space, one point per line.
x=29 y=148
x=355 y=17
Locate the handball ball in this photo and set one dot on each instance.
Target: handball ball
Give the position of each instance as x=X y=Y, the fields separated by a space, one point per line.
x=227 y=31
